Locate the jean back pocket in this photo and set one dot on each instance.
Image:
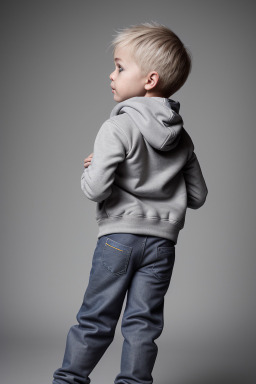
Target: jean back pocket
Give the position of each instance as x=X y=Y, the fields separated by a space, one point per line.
x=116 y=256
x=164 y=263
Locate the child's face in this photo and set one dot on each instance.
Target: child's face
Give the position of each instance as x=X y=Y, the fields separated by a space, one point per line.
x=126 y=80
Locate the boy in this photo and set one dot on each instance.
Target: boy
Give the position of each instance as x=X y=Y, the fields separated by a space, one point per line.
x=143 y=174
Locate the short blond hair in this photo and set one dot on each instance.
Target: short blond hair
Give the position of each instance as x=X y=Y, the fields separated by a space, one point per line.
x=155 y=47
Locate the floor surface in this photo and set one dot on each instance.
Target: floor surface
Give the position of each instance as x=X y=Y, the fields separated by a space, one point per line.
x=34 y=363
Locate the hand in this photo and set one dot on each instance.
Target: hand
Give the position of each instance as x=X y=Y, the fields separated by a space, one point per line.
x=88 y=160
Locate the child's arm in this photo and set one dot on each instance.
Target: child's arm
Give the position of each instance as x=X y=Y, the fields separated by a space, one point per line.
x=110 y=148
x=195 y=183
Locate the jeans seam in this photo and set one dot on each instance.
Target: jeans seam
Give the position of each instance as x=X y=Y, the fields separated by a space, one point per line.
x=143 y=250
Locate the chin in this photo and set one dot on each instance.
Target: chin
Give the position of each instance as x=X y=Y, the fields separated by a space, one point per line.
x=118 y=99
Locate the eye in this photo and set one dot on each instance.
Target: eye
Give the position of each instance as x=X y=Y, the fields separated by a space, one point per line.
x=120 y=68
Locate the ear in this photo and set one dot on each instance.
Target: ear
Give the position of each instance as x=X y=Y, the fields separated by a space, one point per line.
x=151 y=80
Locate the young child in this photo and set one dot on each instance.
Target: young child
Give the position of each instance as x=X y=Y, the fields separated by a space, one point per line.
x=143 y=174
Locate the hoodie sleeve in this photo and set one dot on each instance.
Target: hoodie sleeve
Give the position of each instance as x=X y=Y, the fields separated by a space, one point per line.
x=110 y=148
x=195 y=183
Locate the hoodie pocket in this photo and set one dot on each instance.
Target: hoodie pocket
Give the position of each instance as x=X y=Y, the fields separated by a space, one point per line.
x=115 y=257
x=163 y=266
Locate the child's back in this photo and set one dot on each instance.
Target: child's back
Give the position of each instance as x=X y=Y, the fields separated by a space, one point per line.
x=143 y=174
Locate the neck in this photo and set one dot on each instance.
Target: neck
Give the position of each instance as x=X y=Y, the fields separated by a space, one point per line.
x=153 y=94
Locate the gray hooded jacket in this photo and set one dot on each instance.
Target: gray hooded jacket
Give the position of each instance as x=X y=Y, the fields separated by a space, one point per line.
x=144 y=172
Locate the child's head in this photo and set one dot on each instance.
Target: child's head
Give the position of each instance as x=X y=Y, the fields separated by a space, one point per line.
x=152 y=62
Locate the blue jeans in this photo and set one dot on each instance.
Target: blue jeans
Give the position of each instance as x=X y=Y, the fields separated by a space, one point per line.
x=140 y=266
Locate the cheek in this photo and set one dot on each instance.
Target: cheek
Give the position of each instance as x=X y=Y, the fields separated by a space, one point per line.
x=133 y=82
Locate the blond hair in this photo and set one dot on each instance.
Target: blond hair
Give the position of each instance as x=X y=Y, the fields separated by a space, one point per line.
x=155 y=47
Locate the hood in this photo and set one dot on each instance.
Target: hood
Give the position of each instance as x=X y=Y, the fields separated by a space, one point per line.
x=157 y=118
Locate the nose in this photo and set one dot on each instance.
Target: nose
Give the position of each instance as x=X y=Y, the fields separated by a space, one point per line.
x=111 y=76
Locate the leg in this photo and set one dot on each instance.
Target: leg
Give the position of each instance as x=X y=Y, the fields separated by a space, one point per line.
x=97 y=318
x=142 y=321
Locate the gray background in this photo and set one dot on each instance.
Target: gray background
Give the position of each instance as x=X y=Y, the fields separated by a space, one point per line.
x=55 y=94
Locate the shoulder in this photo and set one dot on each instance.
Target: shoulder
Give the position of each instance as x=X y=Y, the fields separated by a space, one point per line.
x=124 y=123
x=121 y=122
x=113 y=131
x=115 y=124
x=123 y=126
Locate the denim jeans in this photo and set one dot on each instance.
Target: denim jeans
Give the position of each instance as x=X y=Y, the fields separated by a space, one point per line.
x=140 y=266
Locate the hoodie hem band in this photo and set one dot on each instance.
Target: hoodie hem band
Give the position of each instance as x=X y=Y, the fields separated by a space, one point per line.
x=139 y=226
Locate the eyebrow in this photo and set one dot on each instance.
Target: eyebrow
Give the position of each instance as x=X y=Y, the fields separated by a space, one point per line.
x=117 y=59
